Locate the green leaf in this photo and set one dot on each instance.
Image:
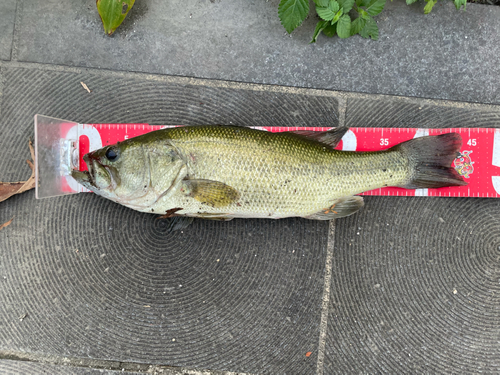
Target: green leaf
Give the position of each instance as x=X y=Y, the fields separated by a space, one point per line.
x=344 y=27
x=328 y=13
x=334 y=5
x=408 y=2
x=337 y=16
x=323 y=3
x=357 y=25
x=459 y=3
x=429 y=5
x=346 y=5
x=319 y=28
x=292 y=13
x=330 y=30
x=375 y=7
x=113 y=13
x=370 y=29
x=362 y=3
x=363 y=14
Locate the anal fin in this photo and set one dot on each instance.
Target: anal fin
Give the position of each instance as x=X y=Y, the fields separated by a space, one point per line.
x=343 y=207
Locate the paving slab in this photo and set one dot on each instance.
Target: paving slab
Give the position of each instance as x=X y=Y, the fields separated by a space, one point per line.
x=396 y=112
x=7 y=21
x=415 y=281
x=416 y=288
x=447 y=54
x=84 y=277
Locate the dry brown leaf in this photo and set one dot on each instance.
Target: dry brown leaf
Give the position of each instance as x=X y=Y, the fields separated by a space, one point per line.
x=8 y=189
x=85 y=87
x=4 y=225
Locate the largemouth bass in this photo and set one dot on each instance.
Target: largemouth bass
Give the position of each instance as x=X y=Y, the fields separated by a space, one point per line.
x=225 y=172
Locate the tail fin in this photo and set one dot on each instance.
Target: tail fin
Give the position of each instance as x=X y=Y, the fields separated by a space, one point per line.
x=430 y=160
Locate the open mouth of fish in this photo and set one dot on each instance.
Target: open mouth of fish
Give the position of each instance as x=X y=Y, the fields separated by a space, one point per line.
x=86 y=178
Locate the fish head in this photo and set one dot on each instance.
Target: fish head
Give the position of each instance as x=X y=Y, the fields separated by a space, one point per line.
x=118 y=172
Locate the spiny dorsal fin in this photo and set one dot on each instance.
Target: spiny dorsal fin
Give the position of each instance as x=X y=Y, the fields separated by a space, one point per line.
x=330 y=138
x=343 y=207
x=212 y=193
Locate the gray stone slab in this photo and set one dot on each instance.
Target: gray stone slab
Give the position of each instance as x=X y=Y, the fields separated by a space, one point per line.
x=415 y=281
x=393 y=112
x=447 y=54
x=415 y=288
x=101 y=281
x=7 y=20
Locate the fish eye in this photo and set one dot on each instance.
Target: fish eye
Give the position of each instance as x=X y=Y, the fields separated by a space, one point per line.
x=111 y=154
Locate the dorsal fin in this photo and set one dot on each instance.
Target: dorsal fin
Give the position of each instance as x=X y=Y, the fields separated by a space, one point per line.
x=330 y=138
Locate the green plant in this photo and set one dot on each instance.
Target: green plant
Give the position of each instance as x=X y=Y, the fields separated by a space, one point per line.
x=113 y=12
x=344 y=18
x=430 y=4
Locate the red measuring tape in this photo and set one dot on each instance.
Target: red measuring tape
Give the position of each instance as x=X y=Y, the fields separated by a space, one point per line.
x=478 y=162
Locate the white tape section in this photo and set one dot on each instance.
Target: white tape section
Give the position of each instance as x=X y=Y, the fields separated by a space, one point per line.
x=418 y=134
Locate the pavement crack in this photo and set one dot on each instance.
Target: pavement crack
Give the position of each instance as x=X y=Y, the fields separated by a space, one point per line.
x=323 y=326
x=16 y=32
x=100 y=364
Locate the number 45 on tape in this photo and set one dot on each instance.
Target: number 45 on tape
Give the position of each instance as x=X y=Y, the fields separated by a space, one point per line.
x=60 y=146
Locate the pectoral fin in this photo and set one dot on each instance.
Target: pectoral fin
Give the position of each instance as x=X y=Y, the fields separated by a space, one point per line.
x=213 y=193
x=343 y=207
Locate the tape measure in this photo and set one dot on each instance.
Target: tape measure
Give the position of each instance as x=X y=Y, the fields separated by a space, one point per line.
x=60 y=146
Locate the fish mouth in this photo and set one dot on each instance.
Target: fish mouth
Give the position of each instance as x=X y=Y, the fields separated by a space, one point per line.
x=86 y=178
x=83 y=178
x=99 y=177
